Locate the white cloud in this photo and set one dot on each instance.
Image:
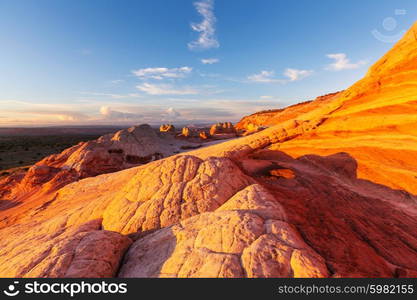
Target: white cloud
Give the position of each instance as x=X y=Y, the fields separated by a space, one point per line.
x=113 y=96
x=207 y=28
x=52 y=115
x=116 y=81
x=264 y=76
x=209 y=61
x=294 y=74
x=110 y=114
x=162 y=73
x=151 y=110
x=269 y=76
x=172 y=113
x=341 y=62
x=165 y=89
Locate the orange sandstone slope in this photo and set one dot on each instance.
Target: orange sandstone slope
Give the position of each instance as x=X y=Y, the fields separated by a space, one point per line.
x=268 y=118
x=328 y=193
x=375 y=121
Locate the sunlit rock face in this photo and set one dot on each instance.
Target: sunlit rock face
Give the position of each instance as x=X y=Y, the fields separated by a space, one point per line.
x=222 y=128
x=124 y=149
x=260 y=120
x=204 y=135
x=246 y=236
x=186 y=132
x=327 y=190
x=167 y=128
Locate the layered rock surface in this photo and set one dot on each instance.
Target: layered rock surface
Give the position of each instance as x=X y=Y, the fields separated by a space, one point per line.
x=329 y=191
x=264 y=119
x=110 y=153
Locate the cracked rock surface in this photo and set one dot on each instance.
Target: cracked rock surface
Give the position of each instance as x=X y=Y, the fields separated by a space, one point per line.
x=245 y=237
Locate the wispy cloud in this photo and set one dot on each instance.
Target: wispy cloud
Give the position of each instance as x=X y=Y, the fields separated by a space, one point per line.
x=110 y=114
x=264 y=76
x=62 y=115
x=209 y=61
x=165 y=89
x=290 y=74
x=113 y=96
x=207 y=28
x=50 y=115
x=119 y=112
x=295 y=74
x=162 y=73
x=116 y=81
x=172 y=113
x=341 y=62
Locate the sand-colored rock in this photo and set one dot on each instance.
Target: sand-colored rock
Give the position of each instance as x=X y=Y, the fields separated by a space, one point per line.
x=224 y=243
x=204 y=135
x=222 y=128
x=167 y=128
x=173 y=190
x=186 y=132
x=69 y=252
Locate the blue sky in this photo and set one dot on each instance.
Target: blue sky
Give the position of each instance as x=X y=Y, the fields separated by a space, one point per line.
x=183 y=61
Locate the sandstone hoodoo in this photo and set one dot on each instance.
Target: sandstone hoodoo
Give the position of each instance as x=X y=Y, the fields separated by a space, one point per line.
x=223 y=131
x=167 y=128
x=221 y=128
x=204 y=135
x=327 y=190
x=187 y=132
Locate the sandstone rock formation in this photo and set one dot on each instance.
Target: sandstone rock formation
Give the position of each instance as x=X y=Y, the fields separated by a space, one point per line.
x=222 y=128
x=204 y=135
x=110 y=153
x=263 y=119
x=167 y=128
x=328 y=190
x=243 y=237
x=70 y=252
x=186 y=132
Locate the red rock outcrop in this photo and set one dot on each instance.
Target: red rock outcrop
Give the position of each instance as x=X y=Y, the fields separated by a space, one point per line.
x=263 y=119
x=110 y=153
x=186 y=132
x=167 y=128
x=222 y=128
x=204 y=135
x=328 y=192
